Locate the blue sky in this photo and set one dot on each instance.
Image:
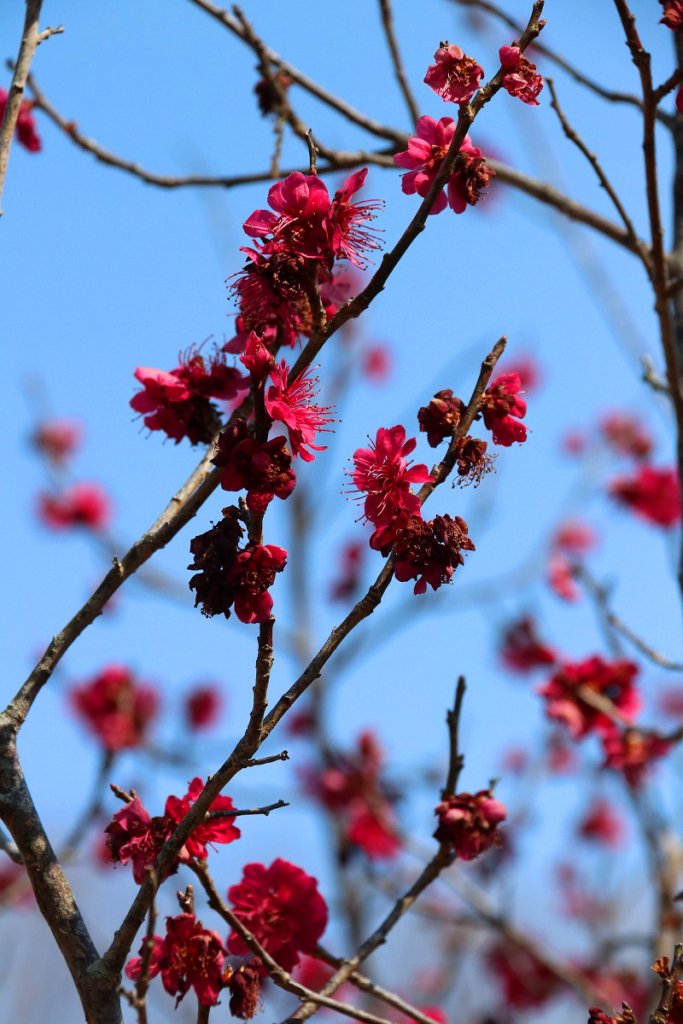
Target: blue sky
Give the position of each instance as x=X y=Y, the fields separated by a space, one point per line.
x=103 y=273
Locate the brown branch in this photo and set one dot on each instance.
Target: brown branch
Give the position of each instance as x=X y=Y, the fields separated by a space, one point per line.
x=143 y=981
x=456 y=759
x=669 y=982
x=388 y=24
x=574 y=137
x=433 y=869
x=10 y=848
x=30 y=39
x=253 y=810
x=232 y=23
x=607 y=94
x=281 y=978
x=668 y=86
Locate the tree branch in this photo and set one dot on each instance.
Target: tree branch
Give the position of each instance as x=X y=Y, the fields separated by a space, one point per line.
x=388 y=24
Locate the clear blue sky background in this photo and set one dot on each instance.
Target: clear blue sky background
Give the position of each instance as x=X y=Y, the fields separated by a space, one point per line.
x=102 y=273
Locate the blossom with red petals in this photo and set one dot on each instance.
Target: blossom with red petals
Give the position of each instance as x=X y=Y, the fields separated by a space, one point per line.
x=468 y=823
x=521 y=649
x=282 y=908
x=561 y=579
x=520 y=77
x=292 y=404
x=347 y=237
x=440 y=418
x=602 y=824
x=354 y=791
x=377 y=362
x=627 y=435
x=454 y=77
x=133 y=835
x=527 y=369
x=633 y=752
x=116 y=707
x=301 y=202
x=178 y=402
x=216 y=830
x=575 y=537
x=83 y=504
x=672 y=14
x=424 y=156
x=228 y=576
x=526 y=982
x=428 y=552
x=189 y=956
x=263 y=469
x=502 y=407
x=257 y=357
x=202 y=706
x=58 y=439
x=567 y=694
x=653 y=494
x=272 y=295
x=383 y=473
x=26 y=124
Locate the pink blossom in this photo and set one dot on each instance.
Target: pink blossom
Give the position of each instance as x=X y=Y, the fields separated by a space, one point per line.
x=520 y=77
x=58 y=439
x=454 y=77
x=575 y=537
x=26 y=124
x=633 y=752
x=424 y=156
x=347 y=238
x=203 y=706
x=300 y=203
x=602 y=824
x=672 y=14
x=561 y=579
x=626 y=434
x=383 y=473
x=348 y=582
x=502 y=407
x=83 y=504
x=653 y=494
x=469 y=824
x=257 y=358
x=528 y=370
x=292 y=405
x=614 y=681
x=377 y=363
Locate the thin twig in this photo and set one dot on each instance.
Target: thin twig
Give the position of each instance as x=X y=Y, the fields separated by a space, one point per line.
x=253 y=810
x=574 y=137
x=456 y=759
x=142 y=983
x=388 y=23
x=10 y=848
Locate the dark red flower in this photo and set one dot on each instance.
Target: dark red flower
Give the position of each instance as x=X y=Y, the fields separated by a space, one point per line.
x=84 y=504
x=377 y=362
x=524 y=980
x=257 y=357
x=454 y=77
x=270 y=95
x=282 y=908
x=502 y=407
x=472 y=460
x=440 y=418
x=58 y=439
x=653 y=494
x=469 y=823
x=202 y=706
x=428 y=552
x=672 y=14
x=520 y=77
x=116 y=707
x=383 y=474
x=633 y=752
x=262 y=469
x=245 y=988
x=521 y=649
x=228 y=576
x=26 y=124
x=215 y=830
x=348 y=582
x=598 y=1016
x=178 y=402
x=189 y=956
x=272 y=294
x=292 y=404
x=133 y=835
x=567 y=694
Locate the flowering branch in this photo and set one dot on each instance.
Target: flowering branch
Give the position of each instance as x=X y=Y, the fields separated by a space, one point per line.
x=388 y=23
x=30 y=40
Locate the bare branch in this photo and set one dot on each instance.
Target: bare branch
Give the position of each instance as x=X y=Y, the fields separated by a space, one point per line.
x=456 y=759
x=388 y=23
x=253 y=810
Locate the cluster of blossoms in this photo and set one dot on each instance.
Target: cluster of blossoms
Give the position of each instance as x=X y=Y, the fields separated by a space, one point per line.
x=116 y=707
x=522 y=650
x=134 y=836
x=229 y=576
x=600 y=697
x=570 y=542
x=82 y=504
x=468 y=823
x=178 y=402
x=353 y=791
x=26 y=125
